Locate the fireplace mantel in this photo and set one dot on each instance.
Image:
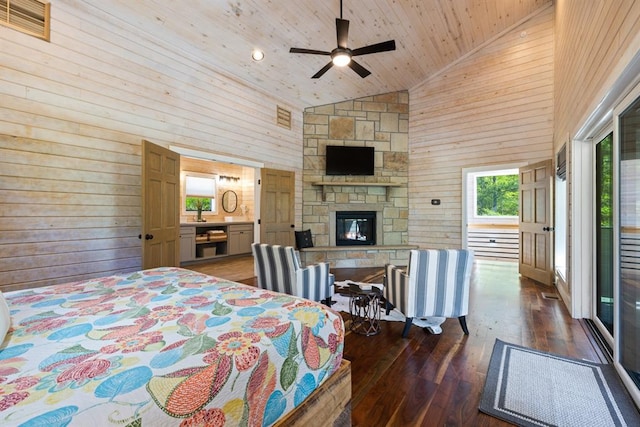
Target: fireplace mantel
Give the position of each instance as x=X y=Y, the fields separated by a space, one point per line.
x=325 y=184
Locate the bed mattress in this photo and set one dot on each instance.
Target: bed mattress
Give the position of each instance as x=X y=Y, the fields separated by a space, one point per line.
x=166 y=346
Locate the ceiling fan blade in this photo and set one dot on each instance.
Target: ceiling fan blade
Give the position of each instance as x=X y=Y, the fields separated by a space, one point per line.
x=322 y=71
x=314 y=52
x=374 y=48
x=363 y=72
x=342 y=32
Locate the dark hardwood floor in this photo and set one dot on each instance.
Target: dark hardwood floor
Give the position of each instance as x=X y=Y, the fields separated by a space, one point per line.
x=437 y=380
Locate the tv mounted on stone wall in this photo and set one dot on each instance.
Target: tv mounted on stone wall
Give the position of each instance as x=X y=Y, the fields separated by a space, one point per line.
x=341 y=160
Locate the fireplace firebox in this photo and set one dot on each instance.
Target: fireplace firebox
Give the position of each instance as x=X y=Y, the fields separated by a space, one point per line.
x=355 y=228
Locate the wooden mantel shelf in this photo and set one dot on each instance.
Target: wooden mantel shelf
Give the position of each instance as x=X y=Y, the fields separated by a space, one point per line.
x=325 y=184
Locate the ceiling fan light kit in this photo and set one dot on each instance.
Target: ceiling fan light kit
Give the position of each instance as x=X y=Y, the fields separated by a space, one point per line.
x=342 y=55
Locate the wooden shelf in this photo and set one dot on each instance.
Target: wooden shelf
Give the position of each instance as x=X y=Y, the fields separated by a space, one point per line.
x=325 y=184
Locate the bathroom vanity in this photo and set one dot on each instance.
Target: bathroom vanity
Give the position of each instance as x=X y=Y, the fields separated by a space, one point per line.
x=201 y=241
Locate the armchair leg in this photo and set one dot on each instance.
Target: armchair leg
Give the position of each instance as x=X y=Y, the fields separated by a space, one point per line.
x=463 y=324
x=388 y=307
x=327 y=301
x=407 y=326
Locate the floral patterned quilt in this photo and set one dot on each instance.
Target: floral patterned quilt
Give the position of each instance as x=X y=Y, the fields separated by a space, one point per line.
x=159 y=347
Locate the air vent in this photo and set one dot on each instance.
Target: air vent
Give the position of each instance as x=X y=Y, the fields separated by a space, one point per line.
x=284 y=117
x=549 y=295
x=29 y=16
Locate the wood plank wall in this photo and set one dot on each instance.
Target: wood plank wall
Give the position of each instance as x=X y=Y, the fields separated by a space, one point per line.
x=594 y=42
x=73 y=113
x=494 y=107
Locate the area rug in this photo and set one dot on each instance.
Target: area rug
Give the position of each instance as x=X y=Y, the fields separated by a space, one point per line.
x=527 y=387
x=341 y=303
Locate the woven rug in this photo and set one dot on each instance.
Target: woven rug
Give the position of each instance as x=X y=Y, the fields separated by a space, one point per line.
x=527 y=387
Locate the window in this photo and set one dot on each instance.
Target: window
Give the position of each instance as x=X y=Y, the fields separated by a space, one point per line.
x=497 y=195
x=560 y=224
x=604 y=232
x=628 y=250
x=200 y=193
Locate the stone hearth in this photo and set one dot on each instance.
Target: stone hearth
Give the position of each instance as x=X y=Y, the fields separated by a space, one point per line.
x=357 y=256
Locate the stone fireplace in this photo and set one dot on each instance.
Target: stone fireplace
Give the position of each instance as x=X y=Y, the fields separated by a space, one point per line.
x=382 y=122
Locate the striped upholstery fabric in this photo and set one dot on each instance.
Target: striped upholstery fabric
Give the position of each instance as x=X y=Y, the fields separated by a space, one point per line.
x=278 y=269
x=396 y=289
x=436 y=284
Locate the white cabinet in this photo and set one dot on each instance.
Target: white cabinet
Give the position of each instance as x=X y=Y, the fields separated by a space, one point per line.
x=240 y=238
x=187 y=244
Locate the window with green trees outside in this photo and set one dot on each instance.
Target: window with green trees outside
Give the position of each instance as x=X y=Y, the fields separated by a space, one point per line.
x=497 y=196
x=193 y=203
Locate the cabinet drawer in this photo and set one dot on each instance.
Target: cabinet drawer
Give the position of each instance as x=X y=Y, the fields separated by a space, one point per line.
x=188 y=231
x=241 y=227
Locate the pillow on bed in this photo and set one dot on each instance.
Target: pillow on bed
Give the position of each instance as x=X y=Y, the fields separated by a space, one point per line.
x=5 y=318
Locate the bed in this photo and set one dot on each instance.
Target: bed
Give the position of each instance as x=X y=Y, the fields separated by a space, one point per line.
x=170 y=346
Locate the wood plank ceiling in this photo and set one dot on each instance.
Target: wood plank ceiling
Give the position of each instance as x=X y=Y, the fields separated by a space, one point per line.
x=430 y=35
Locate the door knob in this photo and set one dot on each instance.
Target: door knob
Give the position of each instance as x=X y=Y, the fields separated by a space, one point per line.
x=548 y=229
x=148 y=236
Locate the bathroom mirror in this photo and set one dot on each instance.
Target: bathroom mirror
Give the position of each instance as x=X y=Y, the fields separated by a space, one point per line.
x=229 y=201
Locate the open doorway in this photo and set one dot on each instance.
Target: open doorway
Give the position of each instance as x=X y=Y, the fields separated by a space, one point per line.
x=490 y=212
x=228 y=197
x=237 y=188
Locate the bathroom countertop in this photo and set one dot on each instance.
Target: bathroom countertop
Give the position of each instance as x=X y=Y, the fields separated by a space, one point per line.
x=213 y=223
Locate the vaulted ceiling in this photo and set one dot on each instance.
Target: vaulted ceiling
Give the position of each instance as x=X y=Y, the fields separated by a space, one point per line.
x=430 y=35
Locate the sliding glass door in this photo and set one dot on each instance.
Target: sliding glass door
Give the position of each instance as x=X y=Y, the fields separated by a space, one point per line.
x=628 y=248
x=604 y=232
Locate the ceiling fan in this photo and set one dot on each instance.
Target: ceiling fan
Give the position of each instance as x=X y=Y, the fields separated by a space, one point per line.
x=342 y=55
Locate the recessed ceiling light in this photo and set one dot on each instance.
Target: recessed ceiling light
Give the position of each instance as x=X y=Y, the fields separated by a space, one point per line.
x=257 y=55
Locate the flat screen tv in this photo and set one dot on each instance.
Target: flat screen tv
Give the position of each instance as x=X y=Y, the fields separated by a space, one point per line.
x=341 y=160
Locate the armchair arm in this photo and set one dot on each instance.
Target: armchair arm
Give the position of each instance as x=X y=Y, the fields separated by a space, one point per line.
x=396 y=289
x=314 y=282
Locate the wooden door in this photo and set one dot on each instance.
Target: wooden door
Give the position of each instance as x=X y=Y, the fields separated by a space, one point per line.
x=160 y=207
x=536 y=226
x=277 y=209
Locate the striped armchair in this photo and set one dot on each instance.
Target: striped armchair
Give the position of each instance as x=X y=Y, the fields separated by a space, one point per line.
x=435 y=285
x=278 y=269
